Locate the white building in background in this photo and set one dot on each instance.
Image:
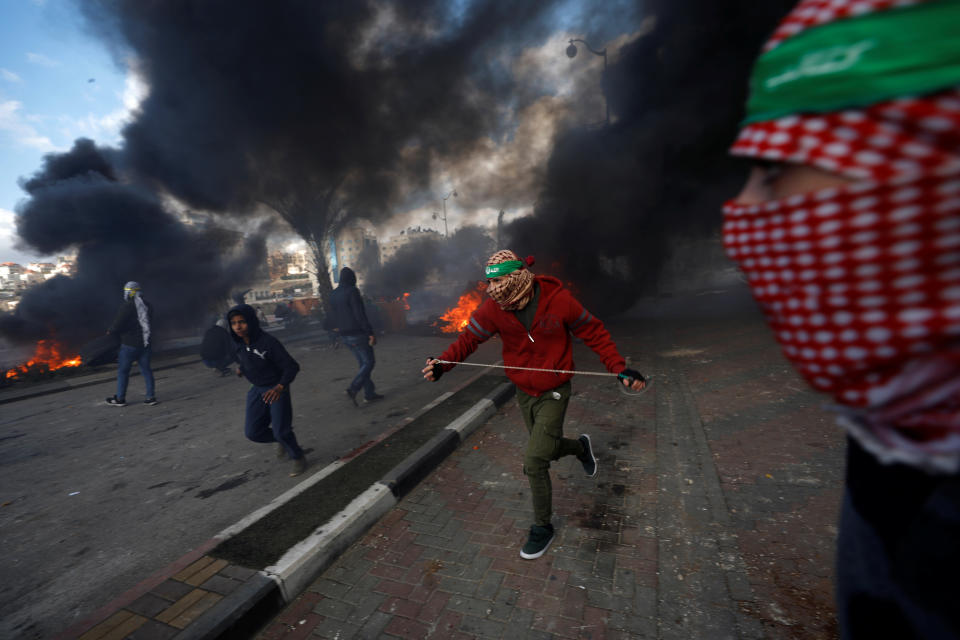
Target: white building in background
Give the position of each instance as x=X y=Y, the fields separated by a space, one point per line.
x=392 y=245
x=66 y=265
x=345 y=251
x=11 y=276
x=40 y=271
x=299 y=262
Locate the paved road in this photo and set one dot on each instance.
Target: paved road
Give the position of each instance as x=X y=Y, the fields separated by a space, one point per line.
x=96 y=498
x=713 y=514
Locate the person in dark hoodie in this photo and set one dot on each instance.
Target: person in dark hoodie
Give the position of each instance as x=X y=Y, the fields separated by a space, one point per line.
x=350 y=320
x=270 y=369
x=132 y=325
x=216 y=348
x=535 y=316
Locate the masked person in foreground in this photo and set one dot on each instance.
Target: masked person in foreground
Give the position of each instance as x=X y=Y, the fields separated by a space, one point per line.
x=535 y=316
x=849 y=233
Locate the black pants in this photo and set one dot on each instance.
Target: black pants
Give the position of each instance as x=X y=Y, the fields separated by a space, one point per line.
x=898 y=552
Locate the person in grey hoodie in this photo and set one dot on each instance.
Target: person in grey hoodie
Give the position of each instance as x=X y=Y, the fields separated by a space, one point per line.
x=270 y=369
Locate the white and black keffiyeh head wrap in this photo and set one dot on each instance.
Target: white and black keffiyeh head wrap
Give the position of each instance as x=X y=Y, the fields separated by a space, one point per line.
x=132 y=290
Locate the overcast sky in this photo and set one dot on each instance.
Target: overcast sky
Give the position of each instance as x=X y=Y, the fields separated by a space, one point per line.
x=56 y=84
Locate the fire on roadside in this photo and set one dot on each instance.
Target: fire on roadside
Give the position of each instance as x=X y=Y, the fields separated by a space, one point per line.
x=405 y=300
x=456 y=318
x=48 y=356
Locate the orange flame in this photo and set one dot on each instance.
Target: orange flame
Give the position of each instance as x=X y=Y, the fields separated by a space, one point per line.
x=405 y=299
x=457 y=317
x=47 y=357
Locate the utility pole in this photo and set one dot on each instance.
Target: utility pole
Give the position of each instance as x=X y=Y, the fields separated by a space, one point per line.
x=572 y=53
x=443 y=216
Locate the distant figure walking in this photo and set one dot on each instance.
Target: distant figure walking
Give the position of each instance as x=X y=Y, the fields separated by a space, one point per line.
x=133 y=326
x=350 y=319
x=282 y=313
x=216 y=348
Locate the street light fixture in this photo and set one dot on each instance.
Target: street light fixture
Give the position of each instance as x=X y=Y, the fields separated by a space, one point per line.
x=444 y=216
x=572 y=53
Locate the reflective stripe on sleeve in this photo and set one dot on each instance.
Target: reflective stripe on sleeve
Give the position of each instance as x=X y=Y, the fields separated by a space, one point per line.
x=479 y=331
x=584 y=318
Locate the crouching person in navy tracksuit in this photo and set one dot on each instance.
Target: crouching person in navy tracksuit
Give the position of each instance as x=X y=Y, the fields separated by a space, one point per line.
x=535 y=316
x=270 y=369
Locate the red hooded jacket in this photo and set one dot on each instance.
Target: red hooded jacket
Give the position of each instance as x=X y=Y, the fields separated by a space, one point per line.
x=546 y=346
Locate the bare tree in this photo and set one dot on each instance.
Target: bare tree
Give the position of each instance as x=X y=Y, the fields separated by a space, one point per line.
x=315 y=212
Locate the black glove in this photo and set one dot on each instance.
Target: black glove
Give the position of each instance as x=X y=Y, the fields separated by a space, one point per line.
x=437 y=370
x=630 y=375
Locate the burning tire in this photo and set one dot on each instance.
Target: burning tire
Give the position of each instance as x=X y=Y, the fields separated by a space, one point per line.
x=102 y=350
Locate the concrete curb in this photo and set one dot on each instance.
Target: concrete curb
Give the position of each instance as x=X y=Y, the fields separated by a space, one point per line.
x=99 y=377
x=231 y=601
x=303 y=562
x=86 y=381
x=308 y=559
x=255 y=592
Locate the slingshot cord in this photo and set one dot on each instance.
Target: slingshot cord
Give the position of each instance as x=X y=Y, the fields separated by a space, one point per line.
x=581 y=373
x=504 y=366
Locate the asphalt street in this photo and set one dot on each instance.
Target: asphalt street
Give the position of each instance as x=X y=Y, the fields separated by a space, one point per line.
x=95 y=498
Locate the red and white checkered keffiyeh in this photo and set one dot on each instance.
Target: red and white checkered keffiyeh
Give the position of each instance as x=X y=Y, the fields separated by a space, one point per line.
x=861 y=284
x=810 y=13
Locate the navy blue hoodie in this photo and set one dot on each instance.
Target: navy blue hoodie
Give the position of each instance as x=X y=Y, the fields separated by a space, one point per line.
x=349 y=315
x=264 y=361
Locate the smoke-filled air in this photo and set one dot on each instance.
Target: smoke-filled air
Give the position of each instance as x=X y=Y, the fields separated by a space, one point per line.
x=306 y=116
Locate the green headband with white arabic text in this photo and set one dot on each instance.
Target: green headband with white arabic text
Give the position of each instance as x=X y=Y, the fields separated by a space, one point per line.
x=856 y=62
x=502 y=268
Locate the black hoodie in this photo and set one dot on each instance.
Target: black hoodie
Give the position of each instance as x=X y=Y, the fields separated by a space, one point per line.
x=264 y=361
x=349 y=315
x=127 y=325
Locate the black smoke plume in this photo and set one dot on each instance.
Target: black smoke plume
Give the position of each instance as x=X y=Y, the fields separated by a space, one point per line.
x=325 y=112
x=320 y=111
x=616 y=197
x=459 y=258
x=121 y=232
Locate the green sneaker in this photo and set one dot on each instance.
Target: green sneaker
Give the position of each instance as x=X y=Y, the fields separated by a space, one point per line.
x=538 y=541
x=588 y=459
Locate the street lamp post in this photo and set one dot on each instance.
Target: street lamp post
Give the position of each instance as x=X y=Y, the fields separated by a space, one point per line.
x=445 y=198
x=572 y=53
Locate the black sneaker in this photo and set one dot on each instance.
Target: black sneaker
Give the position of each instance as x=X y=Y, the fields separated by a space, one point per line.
x=538 y=541
x=374 y=398
x=353 y=397
x=150 y=401
x=114 y=401
x=588 y=460
x=299 y=466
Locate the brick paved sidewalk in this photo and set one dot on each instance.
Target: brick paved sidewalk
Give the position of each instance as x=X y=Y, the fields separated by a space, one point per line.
x=712 y=515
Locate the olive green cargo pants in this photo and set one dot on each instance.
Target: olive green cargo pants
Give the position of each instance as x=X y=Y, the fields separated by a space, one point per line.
x=543 y=416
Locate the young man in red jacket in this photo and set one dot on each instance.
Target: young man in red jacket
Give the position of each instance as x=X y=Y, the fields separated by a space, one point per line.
x=535 y=316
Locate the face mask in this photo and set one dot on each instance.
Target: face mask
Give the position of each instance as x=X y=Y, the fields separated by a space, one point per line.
x=861 y=286
x=513 y=291
x=861 y=283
